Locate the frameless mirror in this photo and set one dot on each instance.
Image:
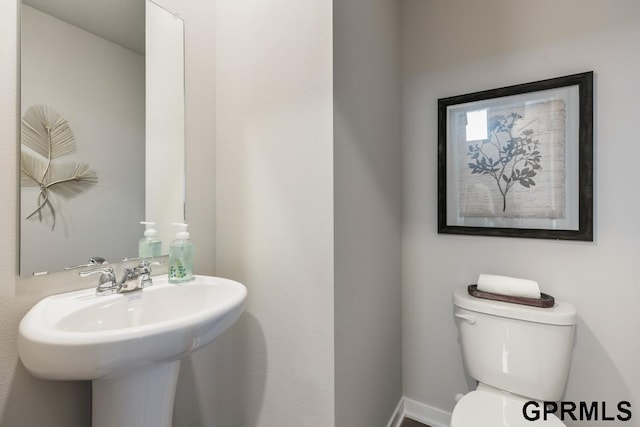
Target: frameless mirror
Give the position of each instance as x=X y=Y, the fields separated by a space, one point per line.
x=102 y=141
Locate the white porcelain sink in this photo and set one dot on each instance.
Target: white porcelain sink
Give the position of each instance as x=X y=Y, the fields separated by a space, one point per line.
x=129 y=345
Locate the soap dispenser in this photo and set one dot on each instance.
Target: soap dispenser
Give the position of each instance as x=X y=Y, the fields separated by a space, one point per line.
x=149 y=246
x=181 y=256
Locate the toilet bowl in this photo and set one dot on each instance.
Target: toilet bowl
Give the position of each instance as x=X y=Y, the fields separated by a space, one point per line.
x=482 y=408
x=517 y=354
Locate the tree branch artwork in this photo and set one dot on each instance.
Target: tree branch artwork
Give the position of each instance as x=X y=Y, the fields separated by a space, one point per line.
x=46 y=136
x=507 y=158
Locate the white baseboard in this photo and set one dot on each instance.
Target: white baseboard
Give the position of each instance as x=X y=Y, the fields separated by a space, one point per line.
x=426 y=414
x=417 y=411
x=398 y=415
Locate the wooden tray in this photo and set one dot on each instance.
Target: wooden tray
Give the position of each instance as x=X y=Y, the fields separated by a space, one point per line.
x=545 y=301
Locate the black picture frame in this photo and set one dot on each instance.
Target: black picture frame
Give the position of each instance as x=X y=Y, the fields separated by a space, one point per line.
x=517 y=161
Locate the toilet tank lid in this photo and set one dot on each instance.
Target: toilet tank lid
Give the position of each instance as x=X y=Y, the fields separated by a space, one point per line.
x=561 y=313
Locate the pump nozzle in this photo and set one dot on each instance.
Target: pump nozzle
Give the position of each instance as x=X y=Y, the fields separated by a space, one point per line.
x=149 y=229
x=182 y=230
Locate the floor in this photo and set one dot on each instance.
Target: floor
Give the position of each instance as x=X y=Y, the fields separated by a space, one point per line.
x=410 y=423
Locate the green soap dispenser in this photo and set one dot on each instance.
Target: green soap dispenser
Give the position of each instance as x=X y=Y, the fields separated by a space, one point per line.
x=181 y=256
x=149 y=246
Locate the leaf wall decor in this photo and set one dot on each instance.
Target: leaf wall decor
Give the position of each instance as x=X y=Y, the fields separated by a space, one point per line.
x=46 y=136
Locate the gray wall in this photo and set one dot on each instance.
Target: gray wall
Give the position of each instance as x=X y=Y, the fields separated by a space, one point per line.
x=453 y=47
x=274 y=229
x=367 y=212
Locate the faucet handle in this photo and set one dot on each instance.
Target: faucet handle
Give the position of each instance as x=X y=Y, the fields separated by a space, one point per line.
x=106 y=282
x=144 y=269
x=93 y=261
x=106 y=271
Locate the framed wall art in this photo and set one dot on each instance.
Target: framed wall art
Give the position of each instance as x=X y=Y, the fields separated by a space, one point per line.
x=518 y=161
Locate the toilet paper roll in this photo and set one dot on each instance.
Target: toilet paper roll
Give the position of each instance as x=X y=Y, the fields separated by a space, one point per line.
x=504 y=285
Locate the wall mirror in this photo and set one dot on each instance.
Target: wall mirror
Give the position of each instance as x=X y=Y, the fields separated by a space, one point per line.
x=106 y=77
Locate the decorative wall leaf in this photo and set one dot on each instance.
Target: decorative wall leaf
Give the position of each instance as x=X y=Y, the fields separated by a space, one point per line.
x=46 y=132
x=70 y=179
x=46 y=136
x=32 y=168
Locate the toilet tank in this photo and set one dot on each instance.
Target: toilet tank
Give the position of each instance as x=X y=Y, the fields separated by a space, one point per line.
x=517 y=348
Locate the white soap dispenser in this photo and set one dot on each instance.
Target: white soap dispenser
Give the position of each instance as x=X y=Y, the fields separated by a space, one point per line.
x=149 y=246
x=181 y=256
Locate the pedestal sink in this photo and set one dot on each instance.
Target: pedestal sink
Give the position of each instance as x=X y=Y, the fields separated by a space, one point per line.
x=128 y=345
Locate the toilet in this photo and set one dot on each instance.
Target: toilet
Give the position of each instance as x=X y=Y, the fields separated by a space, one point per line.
x=517 y=353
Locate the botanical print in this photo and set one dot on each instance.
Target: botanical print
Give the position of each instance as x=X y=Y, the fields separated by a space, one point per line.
x=518 y=169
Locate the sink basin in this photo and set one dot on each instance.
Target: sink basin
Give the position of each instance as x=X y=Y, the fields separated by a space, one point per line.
x=129 y=344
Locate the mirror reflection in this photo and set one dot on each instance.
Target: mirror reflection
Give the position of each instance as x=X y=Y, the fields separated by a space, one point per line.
x=95 y=161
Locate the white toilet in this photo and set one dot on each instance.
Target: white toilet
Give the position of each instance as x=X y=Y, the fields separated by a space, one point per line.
x=517 y=353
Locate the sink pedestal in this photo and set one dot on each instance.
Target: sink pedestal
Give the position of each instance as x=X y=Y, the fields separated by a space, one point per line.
x=139 y=397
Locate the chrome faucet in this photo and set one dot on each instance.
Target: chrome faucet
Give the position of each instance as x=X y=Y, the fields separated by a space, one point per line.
x=133 y=279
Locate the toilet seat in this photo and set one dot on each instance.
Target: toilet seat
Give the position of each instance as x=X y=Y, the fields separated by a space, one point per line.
x=482 y=408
